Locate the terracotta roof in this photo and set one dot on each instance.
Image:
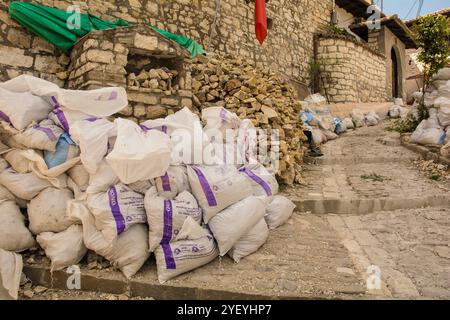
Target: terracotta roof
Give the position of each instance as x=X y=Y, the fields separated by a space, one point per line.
x=397 y=26
x=445 y=12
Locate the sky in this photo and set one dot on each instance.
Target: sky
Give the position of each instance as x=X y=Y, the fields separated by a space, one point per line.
x=407 y=9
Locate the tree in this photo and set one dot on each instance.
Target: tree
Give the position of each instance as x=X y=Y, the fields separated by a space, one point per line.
x=432 y=34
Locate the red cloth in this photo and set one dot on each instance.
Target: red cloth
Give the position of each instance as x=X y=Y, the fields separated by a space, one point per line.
x=260 y=20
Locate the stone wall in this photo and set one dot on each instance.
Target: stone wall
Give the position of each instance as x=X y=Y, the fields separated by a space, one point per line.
x=351 y=71
x=288 y=49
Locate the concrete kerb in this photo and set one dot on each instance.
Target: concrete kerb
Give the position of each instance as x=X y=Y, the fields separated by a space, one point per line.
x=115 y=283
x=365 y=206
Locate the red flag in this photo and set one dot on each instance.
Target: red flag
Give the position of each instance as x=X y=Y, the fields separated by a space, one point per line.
x=260 y=20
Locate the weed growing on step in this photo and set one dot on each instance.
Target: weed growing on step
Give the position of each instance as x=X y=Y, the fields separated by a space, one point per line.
x=407 y=125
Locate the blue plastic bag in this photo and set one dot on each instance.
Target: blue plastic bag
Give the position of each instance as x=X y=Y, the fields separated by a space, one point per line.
x=339 y=126
x=307 y=117
x=54 y=159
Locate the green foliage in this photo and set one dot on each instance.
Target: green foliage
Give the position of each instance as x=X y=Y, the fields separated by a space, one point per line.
x=407 y=125
x=432 y=34
x=335 y=30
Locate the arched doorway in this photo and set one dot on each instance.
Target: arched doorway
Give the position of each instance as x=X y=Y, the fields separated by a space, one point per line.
x=395 y=74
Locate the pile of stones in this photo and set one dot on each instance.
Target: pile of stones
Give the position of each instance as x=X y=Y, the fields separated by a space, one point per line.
x=163 y=79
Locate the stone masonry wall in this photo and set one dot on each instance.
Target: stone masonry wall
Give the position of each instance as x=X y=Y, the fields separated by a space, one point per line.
x=288 y=49
x=351 y=72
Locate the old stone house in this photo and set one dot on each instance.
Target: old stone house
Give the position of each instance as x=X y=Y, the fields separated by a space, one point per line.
x=366 y=67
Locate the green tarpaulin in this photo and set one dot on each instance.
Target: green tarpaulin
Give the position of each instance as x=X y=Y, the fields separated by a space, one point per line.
x=52 y=25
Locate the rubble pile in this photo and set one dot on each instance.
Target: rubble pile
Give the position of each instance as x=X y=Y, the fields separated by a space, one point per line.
x=125 y=191
x=163 y=79
x=261 y=95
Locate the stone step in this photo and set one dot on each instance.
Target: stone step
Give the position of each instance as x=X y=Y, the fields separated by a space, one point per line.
x=348 y=161
x=365 y=206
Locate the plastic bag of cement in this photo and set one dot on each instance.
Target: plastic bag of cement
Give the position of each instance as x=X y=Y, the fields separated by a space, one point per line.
x=116 y=210
x=279 y=211
x=103 y=179
x=47 y=212
x=371 y=119
x=340 y=128
x=66 y=149
x=219 y=118
x=141 y=186
x=173 y=259
x=184 y=128
x=65 y=118
x=316 y=99
x=250 y=242
x=444 y=89
x=20 y=109
x=445 y=150
x=80 y=176
x=235 y=221
x=443 y=74
x=18 y=160
x=24 y=186
x=358 y=118
x=11 y=266
x=173 y=182
x=128 y=253
x=64 y=249
x=348 y=123
x=217 y=187
x=318 y=136
x=444 y=115
x=166 y=217
x=135 y=151
x=42 y=136
x=427 y=133
x=14 y=235
x=92 y=136
x=262 y=181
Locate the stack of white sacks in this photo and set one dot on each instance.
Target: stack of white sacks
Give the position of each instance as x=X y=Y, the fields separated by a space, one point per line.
x=436 y=129
x=124 y=190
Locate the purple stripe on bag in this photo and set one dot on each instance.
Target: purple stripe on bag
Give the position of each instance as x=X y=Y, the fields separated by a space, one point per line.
x=170 y=261
x=164 y=129
x=223 y=115
x=47 y=131
x=206 y=187
x=167 y=236
x=115 y=209
x=166 y=183
x=60 y=115
x=5 y=117
x=113 y=96
x=258 y=180
x=92 y=119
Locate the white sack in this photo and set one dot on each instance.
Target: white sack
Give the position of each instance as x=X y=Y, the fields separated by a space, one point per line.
x=103 y=179
x=173 y=182
x=24 y=186
x=92 y=136
x=10 y=274
x=166 y=217
x=116 y=210
x=217 y=187
x=141 y=186
x=443 y=74
x=358 y=118
x=139 y=155
x=318 y=136
x=80 y=176
x=64 y=249
x=66 y=118
x=14 y=235
x=18 y=161
x=219 y=118
x=444 y=116
x=371 y=119
x=235 y=221
x=42 y=136
x=128 y=253
x=5 y=194
x=250 y=242
x=262 y=181
x=330 y=135
x=445 y=150
x=173 y=259
x=348 y=123
x=47 y=212
x=20 y=109
x=280 y=209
